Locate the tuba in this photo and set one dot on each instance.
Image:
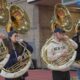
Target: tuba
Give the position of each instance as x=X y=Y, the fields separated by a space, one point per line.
x=60 y=64
x=4 y=56
x=20 y=67
x=77 y=62
x=62 y=17
x=77 y=25
x=4 y=13
x=18 y=21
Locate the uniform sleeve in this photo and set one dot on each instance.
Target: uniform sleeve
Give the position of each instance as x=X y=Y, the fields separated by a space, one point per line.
x=51 y=53
x=75 y=38
x=29 y=47
x=74 y=44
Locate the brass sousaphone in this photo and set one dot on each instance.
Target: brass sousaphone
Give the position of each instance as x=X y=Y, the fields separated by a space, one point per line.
x=19 y=21
x=4 y=18
x=4 y=56
x=61 y=64
x=4 y=13
x=77 y=62
x=20 y=67
x=62 y=17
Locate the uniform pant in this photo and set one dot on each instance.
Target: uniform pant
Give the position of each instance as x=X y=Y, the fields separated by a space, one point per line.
x=19 y=78
x=78 y=74
x=58 y=75
x=8 y=79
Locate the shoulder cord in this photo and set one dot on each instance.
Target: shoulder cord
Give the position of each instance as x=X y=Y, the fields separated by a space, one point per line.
x=23 y=47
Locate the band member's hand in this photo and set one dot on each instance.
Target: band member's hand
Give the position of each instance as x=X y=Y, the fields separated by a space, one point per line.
x=19 y=58
x=2 y=36
x=66 y=69
x=65 y=53
x=75 y=64
x=21 y=40
x=65 y=38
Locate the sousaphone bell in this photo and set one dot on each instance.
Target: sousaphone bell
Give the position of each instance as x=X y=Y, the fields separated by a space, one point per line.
x=4 y=13
x=62 y=17
x=18 y=20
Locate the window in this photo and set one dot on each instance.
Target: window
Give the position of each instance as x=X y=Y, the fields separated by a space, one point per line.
x=67 y=2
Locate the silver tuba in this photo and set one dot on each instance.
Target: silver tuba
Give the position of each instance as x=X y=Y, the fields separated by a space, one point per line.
x=62 y=63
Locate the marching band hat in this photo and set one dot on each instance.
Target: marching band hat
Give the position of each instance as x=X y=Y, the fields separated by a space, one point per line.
x=11 y=33
x=59 y=30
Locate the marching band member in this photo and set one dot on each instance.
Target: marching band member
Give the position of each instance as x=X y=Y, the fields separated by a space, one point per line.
x=15 y=51
x=76 y=38
x=58 y=49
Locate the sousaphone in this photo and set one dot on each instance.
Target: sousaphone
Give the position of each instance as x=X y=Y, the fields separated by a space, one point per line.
x=4 y=13
x=20 y=67
x=18 y=21
x=62 y=63
x=4 y=56
x=4 y=18
x=62 y=17
x=77 y=62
